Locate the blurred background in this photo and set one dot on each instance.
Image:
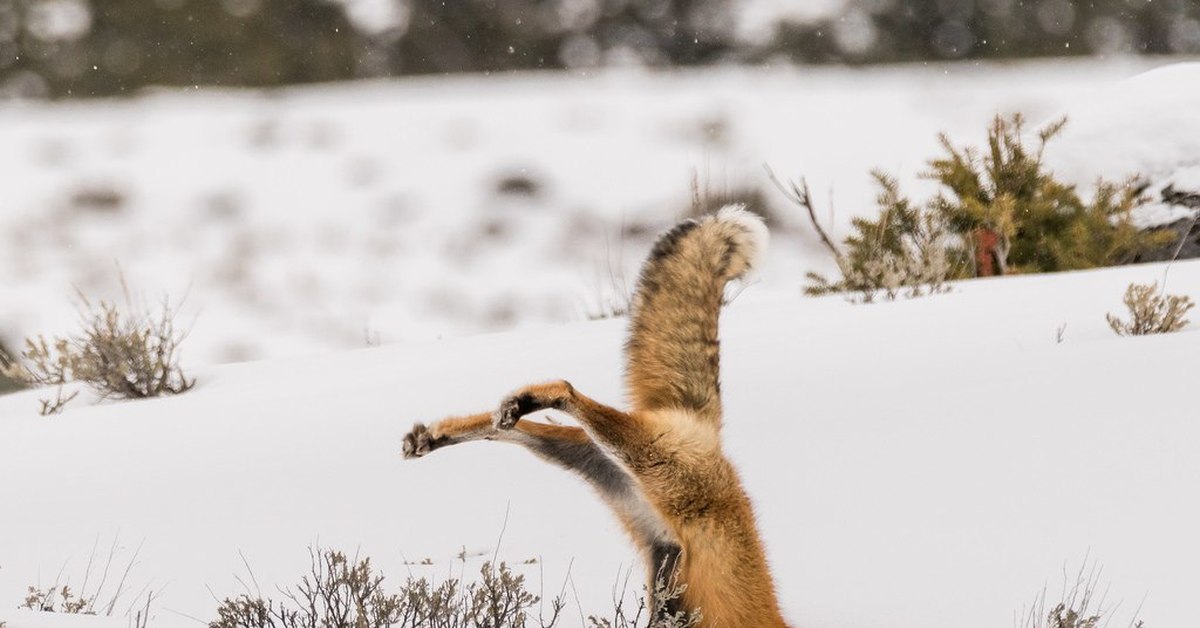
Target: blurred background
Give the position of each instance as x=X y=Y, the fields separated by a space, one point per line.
x=84 y=48
x=314 y=175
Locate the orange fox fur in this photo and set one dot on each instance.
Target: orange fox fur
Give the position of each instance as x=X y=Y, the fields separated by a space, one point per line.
x=660 y=466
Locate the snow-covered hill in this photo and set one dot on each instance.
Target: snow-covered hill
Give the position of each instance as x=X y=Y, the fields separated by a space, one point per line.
x=332 y=217
x=927 y=463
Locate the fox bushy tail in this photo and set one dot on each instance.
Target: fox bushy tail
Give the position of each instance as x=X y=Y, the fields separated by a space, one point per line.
x=672 y=355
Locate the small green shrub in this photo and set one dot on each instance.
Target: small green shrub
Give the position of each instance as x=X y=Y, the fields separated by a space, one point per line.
x=129 y=354
x=1014 y=216
x=996 y=213
x=1151 y=312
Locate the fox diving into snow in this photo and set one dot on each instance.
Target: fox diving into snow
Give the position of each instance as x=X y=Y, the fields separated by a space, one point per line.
x=659 y=465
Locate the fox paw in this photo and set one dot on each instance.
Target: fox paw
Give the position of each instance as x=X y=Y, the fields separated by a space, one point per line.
x=511 y=409
x=418 y=441
x=554 y=395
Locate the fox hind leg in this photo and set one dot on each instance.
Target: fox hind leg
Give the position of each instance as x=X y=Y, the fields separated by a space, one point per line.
x=617 y=432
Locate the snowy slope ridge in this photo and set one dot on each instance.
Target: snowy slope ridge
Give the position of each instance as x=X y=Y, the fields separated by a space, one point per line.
x=913 y=463
x=1145 y=126
x=329 y=217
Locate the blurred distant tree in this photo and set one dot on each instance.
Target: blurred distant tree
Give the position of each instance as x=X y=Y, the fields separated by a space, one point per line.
x=104 y=47
x=63 y=48
x=870 y=31
x=492 y=35
x=473 y=35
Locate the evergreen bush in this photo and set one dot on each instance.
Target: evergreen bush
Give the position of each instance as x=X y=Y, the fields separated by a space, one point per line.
x=997 y=212
x=1014 y=216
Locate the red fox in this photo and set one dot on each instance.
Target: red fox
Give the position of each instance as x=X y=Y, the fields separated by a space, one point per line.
x=659 y=466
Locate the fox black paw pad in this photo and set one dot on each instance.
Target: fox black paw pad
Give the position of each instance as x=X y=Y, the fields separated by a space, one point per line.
x=513 y=408
x=418 y=442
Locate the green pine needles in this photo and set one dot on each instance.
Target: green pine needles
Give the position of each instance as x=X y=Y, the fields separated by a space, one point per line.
x=1039 y=223
x=998 y=211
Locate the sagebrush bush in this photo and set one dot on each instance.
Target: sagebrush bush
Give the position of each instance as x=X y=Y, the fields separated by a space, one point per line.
x=336 y=593
x=1078 y=608
x=99 y=594
x=128 y=354
x=1151 y=311
x=342 y=592
x=59 y=599
x=62 y=599
x=7 y=384
x=643 y=616
x=904 y=250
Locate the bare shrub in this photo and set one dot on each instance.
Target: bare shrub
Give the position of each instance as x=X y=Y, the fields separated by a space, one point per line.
x=905 y=251
x=336 y=593
x=104 y=198
x=58 y=600
x=42 y=366
x=1079 y=606
x=604 y=306
x=126 y=354
x=103 y=588
x=611 y=295
x=340 y=592
x=707 y=200
x=1151 y=311
x=7 y=384
x=519 y=184
x=642 y=617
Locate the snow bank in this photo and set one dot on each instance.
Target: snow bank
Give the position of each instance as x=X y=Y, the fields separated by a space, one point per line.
x=1146 y=126
x=913 y=463
x=31 y=619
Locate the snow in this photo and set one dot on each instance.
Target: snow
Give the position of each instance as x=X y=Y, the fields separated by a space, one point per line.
x=327 y=218
x=913 y=463
x=31 y=619
x=1146 y=126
